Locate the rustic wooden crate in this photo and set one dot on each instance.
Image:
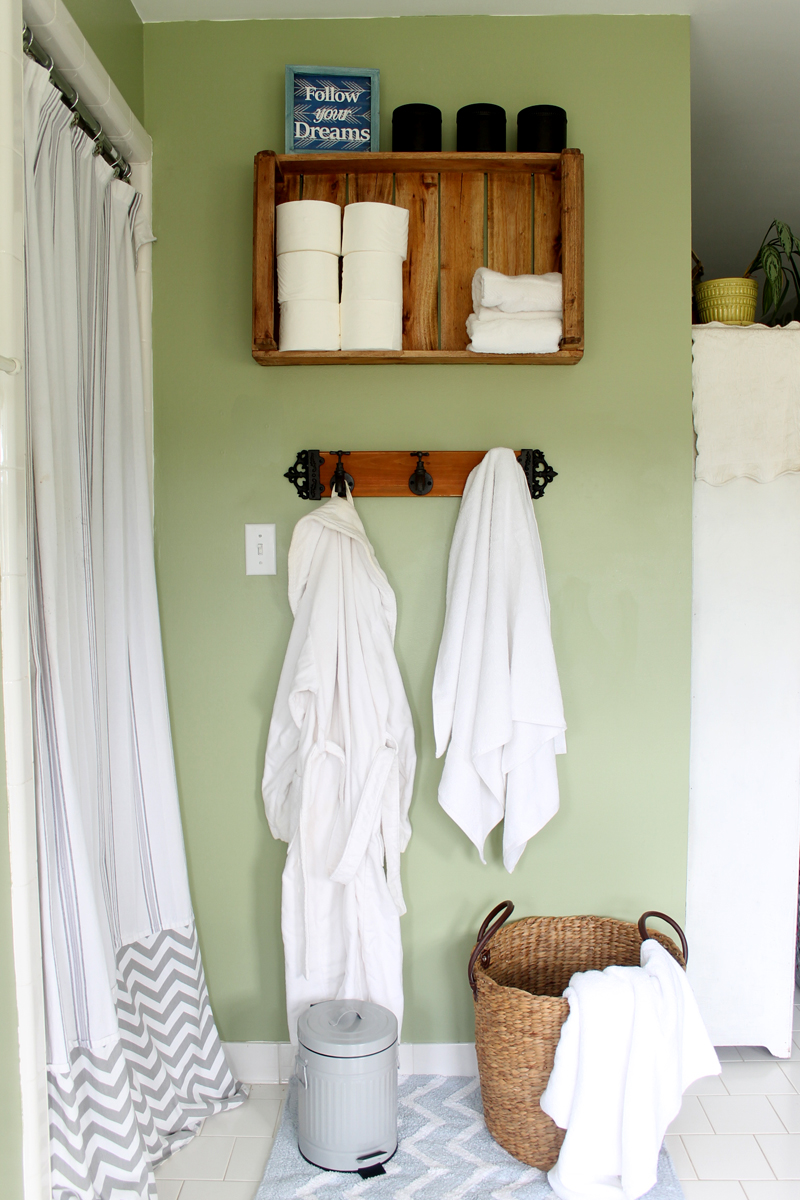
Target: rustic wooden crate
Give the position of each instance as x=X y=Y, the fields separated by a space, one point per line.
x=516 y=212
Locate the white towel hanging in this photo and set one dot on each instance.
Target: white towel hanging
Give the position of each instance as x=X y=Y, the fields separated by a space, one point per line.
x=496 y=698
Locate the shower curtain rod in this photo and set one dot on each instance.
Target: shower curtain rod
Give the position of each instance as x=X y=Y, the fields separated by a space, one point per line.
x=83 y=117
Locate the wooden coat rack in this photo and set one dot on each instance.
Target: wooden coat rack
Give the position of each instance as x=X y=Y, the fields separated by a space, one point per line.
x=395 y=473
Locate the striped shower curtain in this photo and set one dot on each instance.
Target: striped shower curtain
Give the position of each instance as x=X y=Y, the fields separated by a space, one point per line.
x=134 y=1058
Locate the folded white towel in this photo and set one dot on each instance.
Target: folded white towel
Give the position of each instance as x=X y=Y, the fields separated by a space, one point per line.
x=497 y=314
x=496 y=698
x=539 y=334
x=516 y=293
x=633 y=1042
x=746 y=402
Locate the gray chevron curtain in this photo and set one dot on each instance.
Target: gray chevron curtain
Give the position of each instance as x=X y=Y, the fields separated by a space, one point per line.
x=134 y=1058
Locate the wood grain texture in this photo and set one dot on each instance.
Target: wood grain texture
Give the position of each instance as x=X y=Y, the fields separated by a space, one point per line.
x=366 y=161
x=461 y=225
x=419 y=193
x=461 y=252
x=325 y=187
x=546 y=224
x=325 y=358
x=509 y=223
x=264 y=252
x=572 y=246
x=288 y=188
x=370 y=186
x=387 y=472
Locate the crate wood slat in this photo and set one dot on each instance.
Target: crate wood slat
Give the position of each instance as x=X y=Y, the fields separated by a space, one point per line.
x=461 y=252
x=446 y=241
x=264 y=290
x=307 y=358
x=419 y=193
x=369 y=185
x=508 y=223
x=572 y=246
x=366 y=161
x=546 y=224
x=288 y=188
x=325 y=187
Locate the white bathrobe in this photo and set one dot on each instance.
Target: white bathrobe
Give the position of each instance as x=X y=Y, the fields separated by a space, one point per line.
x=634 y=1040
x=339 y=770
x=496 y=696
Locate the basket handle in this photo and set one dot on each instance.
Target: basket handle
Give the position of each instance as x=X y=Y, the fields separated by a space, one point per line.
x=485 y=935
x=644 y=935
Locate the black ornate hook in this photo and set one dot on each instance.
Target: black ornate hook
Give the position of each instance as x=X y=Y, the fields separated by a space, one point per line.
x=420 y=482
x=304 y=474
x=538 y=471
x=340 y=477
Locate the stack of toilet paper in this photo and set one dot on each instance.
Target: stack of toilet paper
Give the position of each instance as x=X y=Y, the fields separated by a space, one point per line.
x=308 y=244
x=374 y=247
x=515 y=314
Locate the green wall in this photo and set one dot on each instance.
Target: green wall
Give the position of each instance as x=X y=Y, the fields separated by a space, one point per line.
x=615 y=525
x=114 y=31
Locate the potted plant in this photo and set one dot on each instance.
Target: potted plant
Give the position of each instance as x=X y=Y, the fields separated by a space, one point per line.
x=733 y=301
x=776 y=258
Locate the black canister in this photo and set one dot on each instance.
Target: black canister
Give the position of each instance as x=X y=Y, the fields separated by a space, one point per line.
x=481 y=127
x=541 y=129
x=417 y=127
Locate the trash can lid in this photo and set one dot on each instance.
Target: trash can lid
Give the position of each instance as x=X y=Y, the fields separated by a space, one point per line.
x=347 y=1028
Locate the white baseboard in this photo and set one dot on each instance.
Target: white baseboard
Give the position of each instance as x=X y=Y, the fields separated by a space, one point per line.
x=273 y=1062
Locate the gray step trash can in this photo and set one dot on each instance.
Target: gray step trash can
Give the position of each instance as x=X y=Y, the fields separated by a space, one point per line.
x=346 y=1069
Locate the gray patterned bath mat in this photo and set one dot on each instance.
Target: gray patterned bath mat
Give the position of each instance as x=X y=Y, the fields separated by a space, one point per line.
x=445 y=1153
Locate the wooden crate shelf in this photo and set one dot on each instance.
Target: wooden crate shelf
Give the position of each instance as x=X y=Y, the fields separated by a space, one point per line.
x=517 y=212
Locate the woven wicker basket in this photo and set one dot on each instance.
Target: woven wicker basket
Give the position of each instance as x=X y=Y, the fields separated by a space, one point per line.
x=517 y=983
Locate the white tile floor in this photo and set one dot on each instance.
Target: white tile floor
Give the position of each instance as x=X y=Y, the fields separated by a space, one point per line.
x=737 y=1136
x=227 y=1160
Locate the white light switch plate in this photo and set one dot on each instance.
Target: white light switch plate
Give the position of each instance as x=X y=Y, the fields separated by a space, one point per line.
x=259 y=550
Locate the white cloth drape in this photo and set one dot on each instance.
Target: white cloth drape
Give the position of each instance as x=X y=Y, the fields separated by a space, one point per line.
x=631 y=1045
x=339 y=770
x=497 y=707
x=134 y=1060
x=747 y=402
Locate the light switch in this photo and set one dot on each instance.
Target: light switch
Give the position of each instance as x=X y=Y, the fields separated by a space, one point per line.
x=259 y=550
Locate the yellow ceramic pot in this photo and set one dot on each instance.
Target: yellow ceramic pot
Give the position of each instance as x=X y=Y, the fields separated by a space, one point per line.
x=732 y=301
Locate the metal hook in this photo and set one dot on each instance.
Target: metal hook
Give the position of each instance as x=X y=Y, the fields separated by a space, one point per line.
x=420 y=482
x=340 y=477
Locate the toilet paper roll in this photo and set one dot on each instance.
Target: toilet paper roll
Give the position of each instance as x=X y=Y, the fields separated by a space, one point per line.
x=372 y=226
x=372 y=325
x=308 y=275
x=309 y=325
x=308 y=225
x=372 y=275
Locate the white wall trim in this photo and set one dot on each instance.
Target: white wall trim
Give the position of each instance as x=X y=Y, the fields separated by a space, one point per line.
x=273 y=1062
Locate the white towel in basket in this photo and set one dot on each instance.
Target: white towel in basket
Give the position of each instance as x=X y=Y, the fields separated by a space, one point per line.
x=633 y=1042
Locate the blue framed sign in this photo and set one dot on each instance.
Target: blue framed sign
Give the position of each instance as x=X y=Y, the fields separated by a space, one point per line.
x=332 y=108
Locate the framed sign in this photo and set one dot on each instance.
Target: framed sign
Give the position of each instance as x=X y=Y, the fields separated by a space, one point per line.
x=332 y=108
